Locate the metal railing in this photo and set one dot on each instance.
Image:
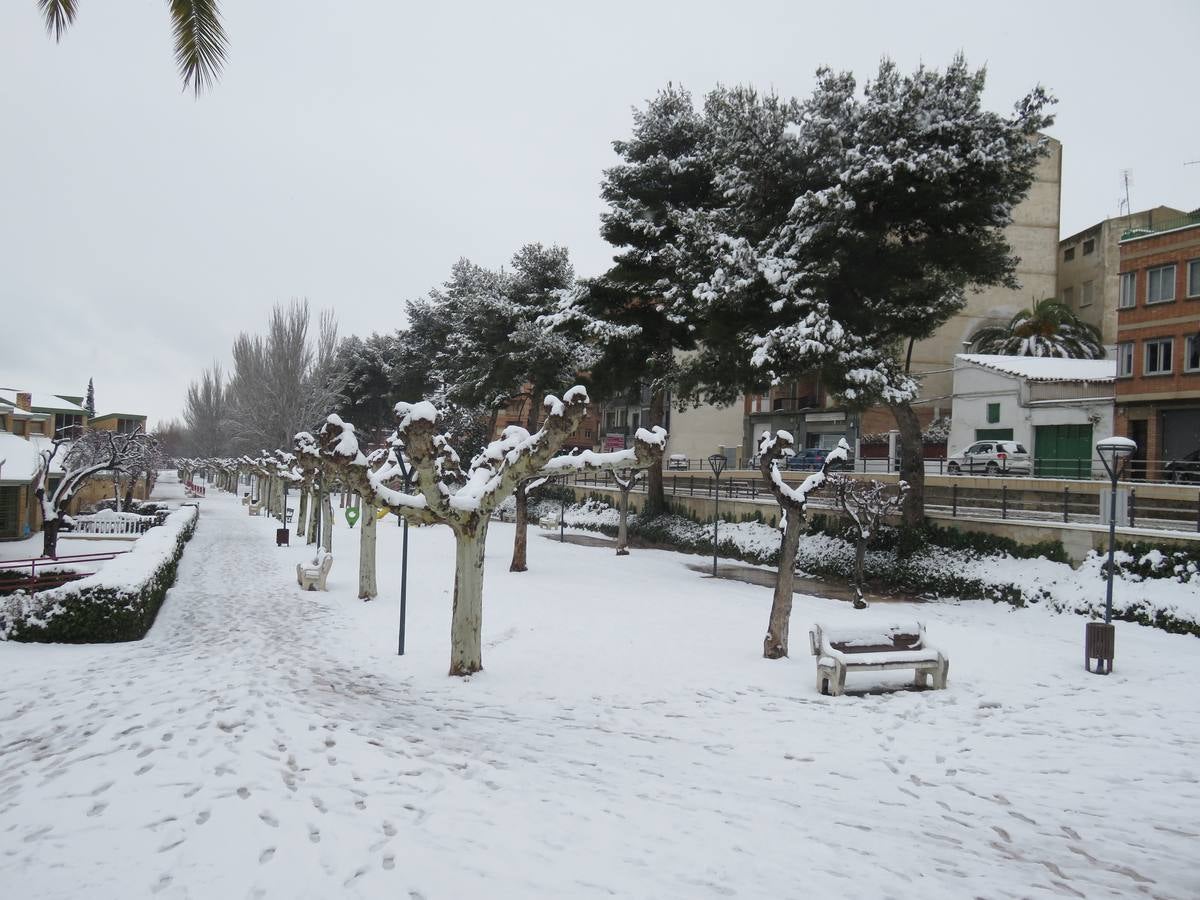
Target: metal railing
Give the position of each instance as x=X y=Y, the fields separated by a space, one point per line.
x=1023 y=500
x=1169 y=225
x=13 y=577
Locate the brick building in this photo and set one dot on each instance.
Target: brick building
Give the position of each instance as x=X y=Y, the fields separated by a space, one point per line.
x=1158 y=346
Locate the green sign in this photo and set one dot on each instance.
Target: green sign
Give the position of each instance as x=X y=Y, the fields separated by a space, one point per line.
x=351 y=516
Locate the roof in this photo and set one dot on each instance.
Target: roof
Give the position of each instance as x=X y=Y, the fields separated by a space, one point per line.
x=19 y=457
x=117 y=415
x=1045 y=368
x=43 y=401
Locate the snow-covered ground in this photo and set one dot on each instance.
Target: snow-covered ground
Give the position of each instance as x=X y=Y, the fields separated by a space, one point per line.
x=31 y=548
x=626 y=739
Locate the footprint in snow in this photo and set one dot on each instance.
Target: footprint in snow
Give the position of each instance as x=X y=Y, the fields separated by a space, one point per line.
x=269 y=819
x=243 y=792
x=97 y=808
x=266 y=855
x=389 y=862
x=203 y=816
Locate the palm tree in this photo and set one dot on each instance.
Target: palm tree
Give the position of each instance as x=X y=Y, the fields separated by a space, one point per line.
x=1048 y=328
x=199 y=37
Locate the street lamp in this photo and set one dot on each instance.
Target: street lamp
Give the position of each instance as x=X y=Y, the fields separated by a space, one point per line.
x=406 y=473
x=1100 y=639
x=716 y=462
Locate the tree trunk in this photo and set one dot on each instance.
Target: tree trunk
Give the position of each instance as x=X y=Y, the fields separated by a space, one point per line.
x=327 y=522
x=860 y=558
x=367 y=588
x=314 y=516
x=623 y=523
x=302 y=511
x=912 y=463
x=127 y=503
x=521 y=537
x=466 y=655
x=775 y=644
x=656 y=498
x=50 y=537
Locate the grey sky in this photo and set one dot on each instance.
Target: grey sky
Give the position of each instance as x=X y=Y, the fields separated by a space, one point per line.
x=352 y=152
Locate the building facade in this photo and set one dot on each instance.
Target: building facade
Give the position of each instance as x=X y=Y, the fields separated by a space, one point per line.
x=1057 y=408
x=1089 y=266
x=1158 y=348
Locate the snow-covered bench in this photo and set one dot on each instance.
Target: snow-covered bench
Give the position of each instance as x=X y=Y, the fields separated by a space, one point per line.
x=312 y=578
x=549 y=522
x=254 y=507
x=864 y=648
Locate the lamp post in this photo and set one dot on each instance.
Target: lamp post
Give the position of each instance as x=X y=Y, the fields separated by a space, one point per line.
x=406 y=473
x=1100 y=639
x=716 y=462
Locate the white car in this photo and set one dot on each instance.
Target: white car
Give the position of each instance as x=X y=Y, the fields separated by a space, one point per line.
x=991 y=458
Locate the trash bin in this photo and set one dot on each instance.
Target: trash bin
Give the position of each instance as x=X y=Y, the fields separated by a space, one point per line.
x=1099 y=645
x=282 y=537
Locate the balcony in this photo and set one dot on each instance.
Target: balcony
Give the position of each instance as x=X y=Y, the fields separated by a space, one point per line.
x=1169 y=225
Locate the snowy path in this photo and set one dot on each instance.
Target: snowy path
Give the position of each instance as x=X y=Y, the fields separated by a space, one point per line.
x=625 y=740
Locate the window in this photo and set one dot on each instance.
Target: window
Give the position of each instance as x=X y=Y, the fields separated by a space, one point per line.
x=68 y=425
x=1157 y=356
x=1128 y=291
x=1089 y=247
x=1193 y=278
x=1191 y=353
x=1125 y=360
x=128 y=426
x=1068 y=296
x=1086 y=296
x=993 y=413
x=1160 y=284
x=19 y=426
x=1068 y=254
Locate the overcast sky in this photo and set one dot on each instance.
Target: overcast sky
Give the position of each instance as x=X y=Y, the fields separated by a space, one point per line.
x=352 y=151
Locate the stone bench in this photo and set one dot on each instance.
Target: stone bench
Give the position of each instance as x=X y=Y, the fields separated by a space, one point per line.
x=312 y=578
x=869 y=648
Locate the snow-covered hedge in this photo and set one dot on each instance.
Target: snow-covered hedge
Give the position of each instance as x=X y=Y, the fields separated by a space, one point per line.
x=118 y=603
x=997 y=572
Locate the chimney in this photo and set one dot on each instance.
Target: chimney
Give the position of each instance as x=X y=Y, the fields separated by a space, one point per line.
x=25 y=401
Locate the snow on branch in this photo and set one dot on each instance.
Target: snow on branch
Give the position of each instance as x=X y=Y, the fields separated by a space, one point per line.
x=773 y=448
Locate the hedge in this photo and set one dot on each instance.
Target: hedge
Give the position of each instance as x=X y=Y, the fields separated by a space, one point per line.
x=118 y=603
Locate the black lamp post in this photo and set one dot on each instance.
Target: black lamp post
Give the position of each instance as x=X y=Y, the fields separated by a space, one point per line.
x=716 y=462
x=1100 y=638
x=406 y=473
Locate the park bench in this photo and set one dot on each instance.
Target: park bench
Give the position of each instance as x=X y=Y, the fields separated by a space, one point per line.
x=312 y=578
x=549 y=522
x=254 y=507
x=867 y=648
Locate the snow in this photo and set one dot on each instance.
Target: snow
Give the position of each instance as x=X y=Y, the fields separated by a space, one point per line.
x=626 y=739
x=19 y=460
x=1044 y=368
x=42 y=400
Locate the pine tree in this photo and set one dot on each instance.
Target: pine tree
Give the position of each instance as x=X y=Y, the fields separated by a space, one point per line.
x=894 y=205
x=632 y=311
x=90 y=402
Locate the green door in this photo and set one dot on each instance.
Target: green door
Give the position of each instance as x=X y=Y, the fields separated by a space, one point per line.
x=10 y=519
x=1062 y=451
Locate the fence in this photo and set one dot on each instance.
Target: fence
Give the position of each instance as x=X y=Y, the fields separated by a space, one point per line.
x=1180 y=471
x=108 y=522
x=1024 y=499
x=193 y=490
x=13 y=577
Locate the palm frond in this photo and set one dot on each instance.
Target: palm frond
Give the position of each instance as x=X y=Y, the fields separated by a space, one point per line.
x=200 y=42
x=58 y=15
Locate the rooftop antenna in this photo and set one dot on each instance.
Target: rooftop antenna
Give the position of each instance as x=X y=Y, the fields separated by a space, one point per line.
x=1126 y=179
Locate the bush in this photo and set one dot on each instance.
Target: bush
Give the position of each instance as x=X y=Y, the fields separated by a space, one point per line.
x=118 y=603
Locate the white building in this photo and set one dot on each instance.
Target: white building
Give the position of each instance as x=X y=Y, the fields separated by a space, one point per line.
x=1057 y=408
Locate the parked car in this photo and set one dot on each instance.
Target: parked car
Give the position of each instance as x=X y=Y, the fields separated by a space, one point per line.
x=677 y=461
x=1186 y=468
x=991 y=458
x=812 y=458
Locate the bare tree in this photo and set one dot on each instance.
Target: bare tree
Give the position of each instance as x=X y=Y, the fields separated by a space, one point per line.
x=94 y=453
x=205 y=413
x=283 y=382
x=793 y=502
x=445 y=493
x=866 y=504
x=521 y=522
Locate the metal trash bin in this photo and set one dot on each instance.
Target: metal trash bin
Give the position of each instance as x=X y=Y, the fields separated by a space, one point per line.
x=282 y=537
x=1099 y=645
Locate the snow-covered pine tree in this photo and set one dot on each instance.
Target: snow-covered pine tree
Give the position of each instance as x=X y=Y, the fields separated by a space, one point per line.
x=853 y=227
x=631 y=312
x=89 y=402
